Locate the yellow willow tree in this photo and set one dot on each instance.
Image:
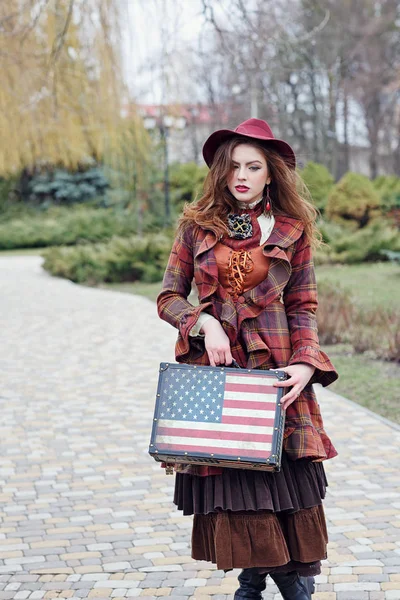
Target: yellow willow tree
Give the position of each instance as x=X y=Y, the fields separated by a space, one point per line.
x=61 y=89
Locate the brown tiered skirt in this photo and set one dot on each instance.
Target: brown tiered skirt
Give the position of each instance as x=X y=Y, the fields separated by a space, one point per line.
x=245 y=518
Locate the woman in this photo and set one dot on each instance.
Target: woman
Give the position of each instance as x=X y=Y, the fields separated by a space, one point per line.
x=247 y=244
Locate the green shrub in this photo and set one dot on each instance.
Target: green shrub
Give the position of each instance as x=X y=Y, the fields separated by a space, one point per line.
x=186 y=182
x=368 y=244
x=319 y=182
x=388 y=187
x=58 y=226
x=331 y=231
x=7 y=191
x=132 y=259
x=59 y=186
x=353 y=201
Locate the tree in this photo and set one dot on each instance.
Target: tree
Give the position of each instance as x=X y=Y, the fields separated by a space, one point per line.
x=62 y=88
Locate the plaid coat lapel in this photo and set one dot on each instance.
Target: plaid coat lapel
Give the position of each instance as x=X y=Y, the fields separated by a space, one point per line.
x=278 y=248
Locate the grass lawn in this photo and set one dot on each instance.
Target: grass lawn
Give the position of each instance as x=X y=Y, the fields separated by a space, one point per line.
x=370 y=283
x=372 y=383
x=150 y=290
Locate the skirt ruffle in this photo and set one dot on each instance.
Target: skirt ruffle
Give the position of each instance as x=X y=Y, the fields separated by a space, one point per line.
x=274 y=541
x=299 y=484
x=244 y=518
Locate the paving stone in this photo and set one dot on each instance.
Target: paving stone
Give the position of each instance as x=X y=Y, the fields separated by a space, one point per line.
x=373 y=577
x=85 y=511
x=352 y=595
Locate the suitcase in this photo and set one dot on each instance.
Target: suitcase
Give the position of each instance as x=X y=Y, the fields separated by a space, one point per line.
x=221 y=416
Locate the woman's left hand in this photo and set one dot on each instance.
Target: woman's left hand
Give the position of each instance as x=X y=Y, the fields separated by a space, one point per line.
x=299 y=375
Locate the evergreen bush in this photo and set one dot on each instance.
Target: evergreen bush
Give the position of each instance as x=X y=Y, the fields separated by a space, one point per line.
x=368 y=244
x=353 y=201
x=63 y=187
x=319 y=182
x=121 y=259
x=61 y=226
x=388 y=187
x=186 y=182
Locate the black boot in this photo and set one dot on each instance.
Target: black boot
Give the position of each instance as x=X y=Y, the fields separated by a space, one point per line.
x=309 y=583
x=252 y=584
x=293 y=587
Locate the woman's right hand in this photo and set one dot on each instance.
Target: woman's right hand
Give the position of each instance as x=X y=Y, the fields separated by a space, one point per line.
x=216 y=343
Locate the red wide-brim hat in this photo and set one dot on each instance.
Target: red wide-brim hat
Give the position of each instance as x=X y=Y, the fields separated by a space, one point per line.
x=251 y=129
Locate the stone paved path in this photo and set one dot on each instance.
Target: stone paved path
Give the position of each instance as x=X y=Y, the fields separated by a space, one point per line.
x=85 y=513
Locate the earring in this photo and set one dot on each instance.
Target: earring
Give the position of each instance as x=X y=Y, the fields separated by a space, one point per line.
x=268 y=203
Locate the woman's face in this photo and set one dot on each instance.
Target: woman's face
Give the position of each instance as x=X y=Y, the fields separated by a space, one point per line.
x=249 y=173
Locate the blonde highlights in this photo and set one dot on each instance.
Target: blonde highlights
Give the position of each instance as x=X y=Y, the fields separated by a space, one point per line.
x=289 y=196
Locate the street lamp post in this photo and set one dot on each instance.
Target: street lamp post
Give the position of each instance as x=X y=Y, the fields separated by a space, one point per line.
x=164 y=124
x=164 y=137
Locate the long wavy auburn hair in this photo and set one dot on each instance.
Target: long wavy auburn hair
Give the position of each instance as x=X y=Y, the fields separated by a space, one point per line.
x=289 y=196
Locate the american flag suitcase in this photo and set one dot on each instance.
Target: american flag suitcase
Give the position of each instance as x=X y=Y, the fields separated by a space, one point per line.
x=219 y=416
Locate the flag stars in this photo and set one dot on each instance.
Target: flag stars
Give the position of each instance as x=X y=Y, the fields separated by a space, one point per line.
x=195 y=397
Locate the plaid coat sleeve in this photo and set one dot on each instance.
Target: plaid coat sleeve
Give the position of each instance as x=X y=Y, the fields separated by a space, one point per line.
x=172 y=302
x=301 y=302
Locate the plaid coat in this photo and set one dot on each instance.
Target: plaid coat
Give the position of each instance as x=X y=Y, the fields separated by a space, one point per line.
x=270 y=326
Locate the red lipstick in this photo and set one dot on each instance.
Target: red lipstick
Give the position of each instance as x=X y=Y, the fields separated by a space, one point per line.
x=241 y=188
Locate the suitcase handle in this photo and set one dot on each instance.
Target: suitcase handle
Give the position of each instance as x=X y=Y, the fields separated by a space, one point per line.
x=235 y=364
